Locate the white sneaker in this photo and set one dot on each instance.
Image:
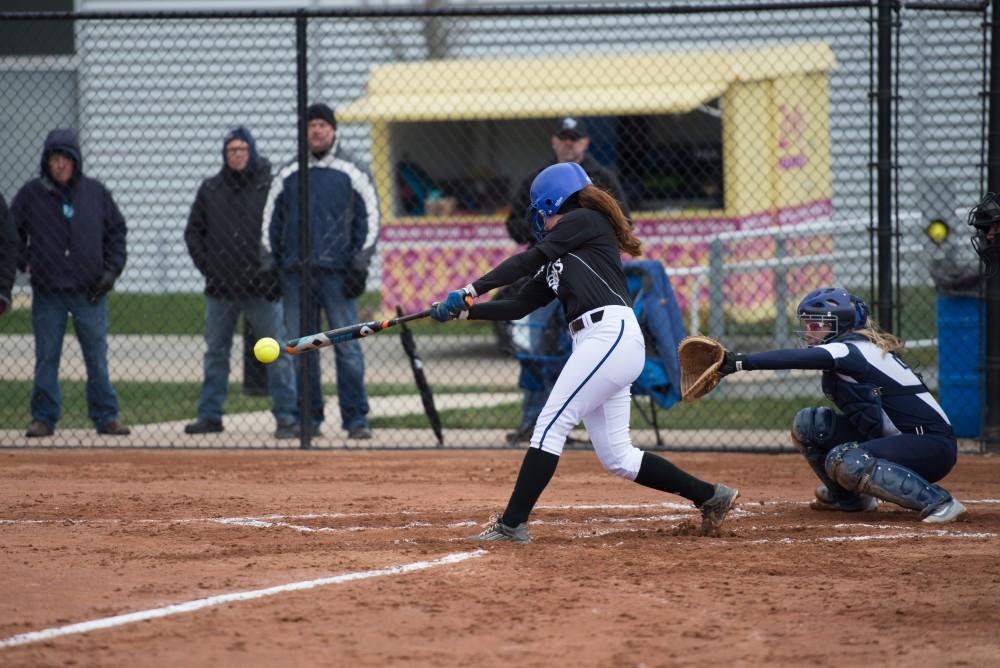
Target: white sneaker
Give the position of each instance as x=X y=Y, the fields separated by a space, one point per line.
x=948 y=511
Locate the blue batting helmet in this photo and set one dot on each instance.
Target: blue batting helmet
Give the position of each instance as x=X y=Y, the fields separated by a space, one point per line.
x=552 y=187
x=837 y=308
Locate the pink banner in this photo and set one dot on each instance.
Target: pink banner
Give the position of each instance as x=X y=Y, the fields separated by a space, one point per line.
x=422 y=262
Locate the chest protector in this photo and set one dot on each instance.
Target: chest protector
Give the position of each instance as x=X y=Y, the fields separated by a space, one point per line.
x=861 y=403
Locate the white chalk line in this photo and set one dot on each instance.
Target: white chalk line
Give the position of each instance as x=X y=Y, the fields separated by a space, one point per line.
x=905 y=535
x=276 y=519
x=211 y=601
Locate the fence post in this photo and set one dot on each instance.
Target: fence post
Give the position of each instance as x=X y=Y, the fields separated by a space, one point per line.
x=306 y=319
x=716 y=269
x=780 y=293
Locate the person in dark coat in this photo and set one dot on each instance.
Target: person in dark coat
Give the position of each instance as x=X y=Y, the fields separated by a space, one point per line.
x=223 y=236
x=570 y=141
x=73 y=246
x=8 y=256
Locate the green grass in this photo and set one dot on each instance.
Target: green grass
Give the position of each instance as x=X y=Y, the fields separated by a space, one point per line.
x=140 y=403
x=184 y=314
x=743 y=414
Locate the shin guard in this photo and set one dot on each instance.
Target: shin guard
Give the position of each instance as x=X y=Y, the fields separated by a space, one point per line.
x=859 y=471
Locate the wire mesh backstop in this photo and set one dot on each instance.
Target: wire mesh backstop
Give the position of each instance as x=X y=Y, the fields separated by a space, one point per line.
x=742 y=139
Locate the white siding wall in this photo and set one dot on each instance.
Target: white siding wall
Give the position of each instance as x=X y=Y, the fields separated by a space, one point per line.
x=156 y=97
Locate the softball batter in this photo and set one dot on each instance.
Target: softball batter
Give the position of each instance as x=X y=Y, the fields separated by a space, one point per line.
x=582 y=233
x=891 y=440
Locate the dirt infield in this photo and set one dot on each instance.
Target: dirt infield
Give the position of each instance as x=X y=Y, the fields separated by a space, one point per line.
x=376 y=543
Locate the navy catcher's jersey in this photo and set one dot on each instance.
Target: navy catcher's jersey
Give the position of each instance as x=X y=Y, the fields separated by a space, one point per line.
x=853 y=362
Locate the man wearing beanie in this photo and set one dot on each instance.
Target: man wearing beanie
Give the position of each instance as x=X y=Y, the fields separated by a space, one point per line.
x=223 y=236
x=73 y=246
x=343 y=227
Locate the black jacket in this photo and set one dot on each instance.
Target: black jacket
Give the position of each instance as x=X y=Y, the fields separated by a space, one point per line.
x=519 y=223
x=71 y=235
x=223 y=233
x=8 y=252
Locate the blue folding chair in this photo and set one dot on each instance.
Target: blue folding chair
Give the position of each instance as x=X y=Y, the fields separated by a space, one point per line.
x=662 y=326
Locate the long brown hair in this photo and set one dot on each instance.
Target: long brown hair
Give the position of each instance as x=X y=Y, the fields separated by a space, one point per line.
x=600 y=200
x=888 y=343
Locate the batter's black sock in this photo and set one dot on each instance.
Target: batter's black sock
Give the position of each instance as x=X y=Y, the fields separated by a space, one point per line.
x=658 y=473
x=536 y=471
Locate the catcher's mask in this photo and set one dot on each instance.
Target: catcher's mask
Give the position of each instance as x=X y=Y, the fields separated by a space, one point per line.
x=550 y=190
x=833 y=310
x=984 y=219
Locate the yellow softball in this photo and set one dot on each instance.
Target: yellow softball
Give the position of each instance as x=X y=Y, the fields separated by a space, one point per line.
x=266 y=350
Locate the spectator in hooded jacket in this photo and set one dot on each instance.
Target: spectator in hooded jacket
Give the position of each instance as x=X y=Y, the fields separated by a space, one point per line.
x=8 y=256
x=343 y=228
x=73 y=246
x=223 y=237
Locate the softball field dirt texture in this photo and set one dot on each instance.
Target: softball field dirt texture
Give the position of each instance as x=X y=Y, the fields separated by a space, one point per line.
x=179 y=558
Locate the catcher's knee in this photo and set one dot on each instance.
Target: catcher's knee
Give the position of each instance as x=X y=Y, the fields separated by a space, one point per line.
x=812 y=428
x=850 y=467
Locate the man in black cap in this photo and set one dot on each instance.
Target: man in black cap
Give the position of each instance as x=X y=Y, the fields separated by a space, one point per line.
x=570 y=142
x=343 y=228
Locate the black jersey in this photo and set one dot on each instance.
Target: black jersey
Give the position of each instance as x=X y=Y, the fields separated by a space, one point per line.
x=578 y=261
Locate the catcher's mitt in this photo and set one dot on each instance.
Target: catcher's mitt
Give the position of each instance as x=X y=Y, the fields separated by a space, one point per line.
x=700 y=358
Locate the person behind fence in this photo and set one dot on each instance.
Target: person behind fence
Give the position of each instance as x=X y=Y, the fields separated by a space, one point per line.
x=582 y=233
x=984 y=219
x=223 y=237
x=889 y=438
x=8 y=256
x=570 y=142
x=72 y=238
x=343 y=228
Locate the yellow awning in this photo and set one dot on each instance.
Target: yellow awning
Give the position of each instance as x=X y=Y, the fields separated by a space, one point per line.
x=643 y=83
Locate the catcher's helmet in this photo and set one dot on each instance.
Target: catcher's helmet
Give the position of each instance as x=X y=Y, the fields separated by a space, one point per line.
x=552 y=187
x=984 y=219
x=835 y=308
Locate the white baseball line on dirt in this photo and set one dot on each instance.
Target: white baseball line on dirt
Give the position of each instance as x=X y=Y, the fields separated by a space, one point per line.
x=935 y=533
x=198 y=604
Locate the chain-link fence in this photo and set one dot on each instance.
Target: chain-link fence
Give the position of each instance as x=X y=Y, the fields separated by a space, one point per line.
x=742 y=140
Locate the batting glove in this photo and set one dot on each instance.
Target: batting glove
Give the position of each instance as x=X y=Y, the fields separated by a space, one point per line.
x=455 y=305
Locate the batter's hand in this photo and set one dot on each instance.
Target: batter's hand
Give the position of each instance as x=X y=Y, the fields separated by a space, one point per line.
x=455 y=305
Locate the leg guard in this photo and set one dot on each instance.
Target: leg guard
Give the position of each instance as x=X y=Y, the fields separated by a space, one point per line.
x=812 y=429
x=859 y=471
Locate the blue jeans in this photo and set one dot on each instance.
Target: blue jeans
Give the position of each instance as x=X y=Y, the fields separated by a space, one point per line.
x=328 y=295
x=220 y=323
x=49 y=313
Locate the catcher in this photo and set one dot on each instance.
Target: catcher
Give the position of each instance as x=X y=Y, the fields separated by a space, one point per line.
x=890 y=439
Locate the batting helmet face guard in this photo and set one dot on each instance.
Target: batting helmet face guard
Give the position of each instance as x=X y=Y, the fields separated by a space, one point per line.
x=827 y=313
x=551 y=188
x=984 y=219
